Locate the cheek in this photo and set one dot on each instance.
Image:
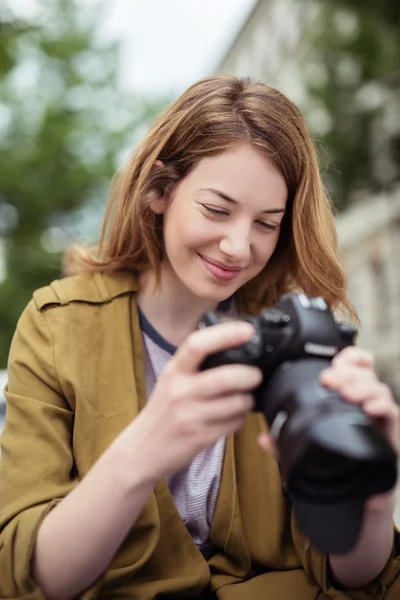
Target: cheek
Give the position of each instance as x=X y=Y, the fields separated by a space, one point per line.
x=264 y=249
x=180 y=232
x=189 y=229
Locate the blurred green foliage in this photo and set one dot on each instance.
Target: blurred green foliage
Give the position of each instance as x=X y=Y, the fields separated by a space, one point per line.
x=352 y=73
x=63 y=126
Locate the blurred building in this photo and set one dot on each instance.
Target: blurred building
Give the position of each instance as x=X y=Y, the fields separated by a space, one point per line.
x=271 y=43
x=369 y=238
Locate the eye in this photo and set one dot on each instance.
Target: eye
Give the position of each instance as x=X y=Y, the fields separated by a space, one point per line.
x=268 y=226
x=215 y=211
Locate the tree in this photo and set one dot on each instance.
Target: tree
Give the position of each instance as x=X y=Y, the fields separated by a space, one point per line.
x=63 y=126
x=352 y=73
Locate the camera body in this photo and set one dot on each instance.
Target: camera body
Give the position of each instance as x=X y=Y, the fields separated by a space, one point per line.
x=298 y=327
x=331 y=452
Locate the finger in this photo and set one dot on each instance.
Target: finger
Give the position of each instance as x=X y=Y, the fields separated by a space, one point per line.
x=382 y=407
x=228 y=427
x=225 y=380
x=354 y=355
x=267 y=443
x=210 y=433
x=386 y=415
x=205 y=418
x=225 y=408
x=361 y=390
x=374 y=397
x=338 y=376
x=207 y=341
x=216 y=428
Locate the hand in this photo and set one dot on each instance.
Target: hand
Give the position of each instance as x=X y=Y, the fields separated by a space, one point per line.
x=352 y=375
x=189 y=410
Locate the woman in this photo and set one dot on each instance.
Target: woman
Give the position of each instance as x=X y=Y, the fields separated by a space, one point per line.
x=126 y=472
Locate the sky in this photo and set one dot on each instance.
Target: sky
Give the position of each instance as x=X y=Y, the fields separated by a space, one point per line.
x=165 y=44
x=169 y=44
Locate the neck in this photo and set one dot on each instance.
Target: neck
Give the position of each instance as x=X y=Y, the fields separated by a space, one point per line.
x=171 y=308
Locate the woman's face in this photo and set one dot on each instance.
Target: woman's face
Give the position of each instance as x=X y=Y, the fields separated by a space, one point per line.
x=221 y=223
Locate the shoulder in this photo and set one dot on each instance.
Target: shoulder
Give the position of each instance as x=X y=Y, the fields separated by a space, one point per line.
x=88 y=288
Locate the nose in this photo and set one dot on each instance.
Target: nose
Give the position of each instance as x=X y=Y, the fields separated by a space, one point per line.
x=235 y=244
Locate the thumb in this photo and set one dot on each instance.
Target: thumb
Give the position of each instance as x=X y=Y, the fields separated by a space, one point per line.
x=267 y=443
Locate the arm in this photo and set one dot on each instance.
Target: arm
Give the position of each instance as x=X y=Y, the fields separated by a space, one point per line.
x=352 y=375
x=373 y=566
x=373 y=549
x=93 y=520
x=56 y=533
x=61 y=535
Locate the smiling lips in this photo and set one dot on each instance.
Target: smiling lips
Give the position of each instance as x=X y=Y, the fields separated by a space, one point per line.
x=219 y=270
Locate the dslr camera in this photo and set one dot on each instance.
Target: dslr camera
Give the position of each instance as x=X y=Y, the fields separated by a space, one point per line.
x=332 y=456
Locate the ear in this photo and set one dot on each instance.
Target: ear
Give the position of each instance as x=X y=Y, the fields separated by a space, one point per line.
x=157 y=205
x=158 y=202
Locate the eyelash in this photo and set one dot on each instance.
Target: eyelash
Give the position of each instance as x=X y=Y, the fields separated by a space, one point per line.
x=220 y=213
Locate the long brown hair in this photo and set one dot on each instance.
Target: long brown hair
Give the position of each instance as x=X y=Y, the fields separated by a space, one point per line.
x=212 y=116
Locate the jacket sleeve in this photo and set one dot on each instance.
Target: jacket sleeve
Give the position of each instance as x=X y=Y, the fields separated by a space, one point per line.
x=316 y=566
x=37 y=466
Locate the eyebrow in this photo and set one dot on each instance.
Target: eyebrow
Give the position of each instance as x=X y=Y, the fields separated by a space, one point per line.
x=233 y=201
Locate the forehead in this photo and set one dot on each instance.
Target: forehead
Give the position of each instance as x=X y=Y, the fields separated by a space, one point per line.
x=242 y=173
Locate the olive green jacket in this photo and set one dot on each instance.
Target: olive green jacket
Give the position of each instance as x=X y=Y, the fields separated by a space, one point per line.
x=76 y=379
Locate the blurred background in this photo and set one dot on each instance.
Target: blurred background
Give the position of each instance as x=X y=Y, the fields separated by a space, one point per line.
x=81 y=81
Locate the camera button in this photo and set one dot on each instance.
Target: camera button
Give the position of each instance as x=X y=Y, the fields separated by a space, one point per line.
x=275 y=317
x=253 y=347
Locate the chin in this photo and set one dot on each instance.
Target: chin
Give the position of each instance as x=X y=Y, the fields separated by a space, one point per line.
x=212 y=293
